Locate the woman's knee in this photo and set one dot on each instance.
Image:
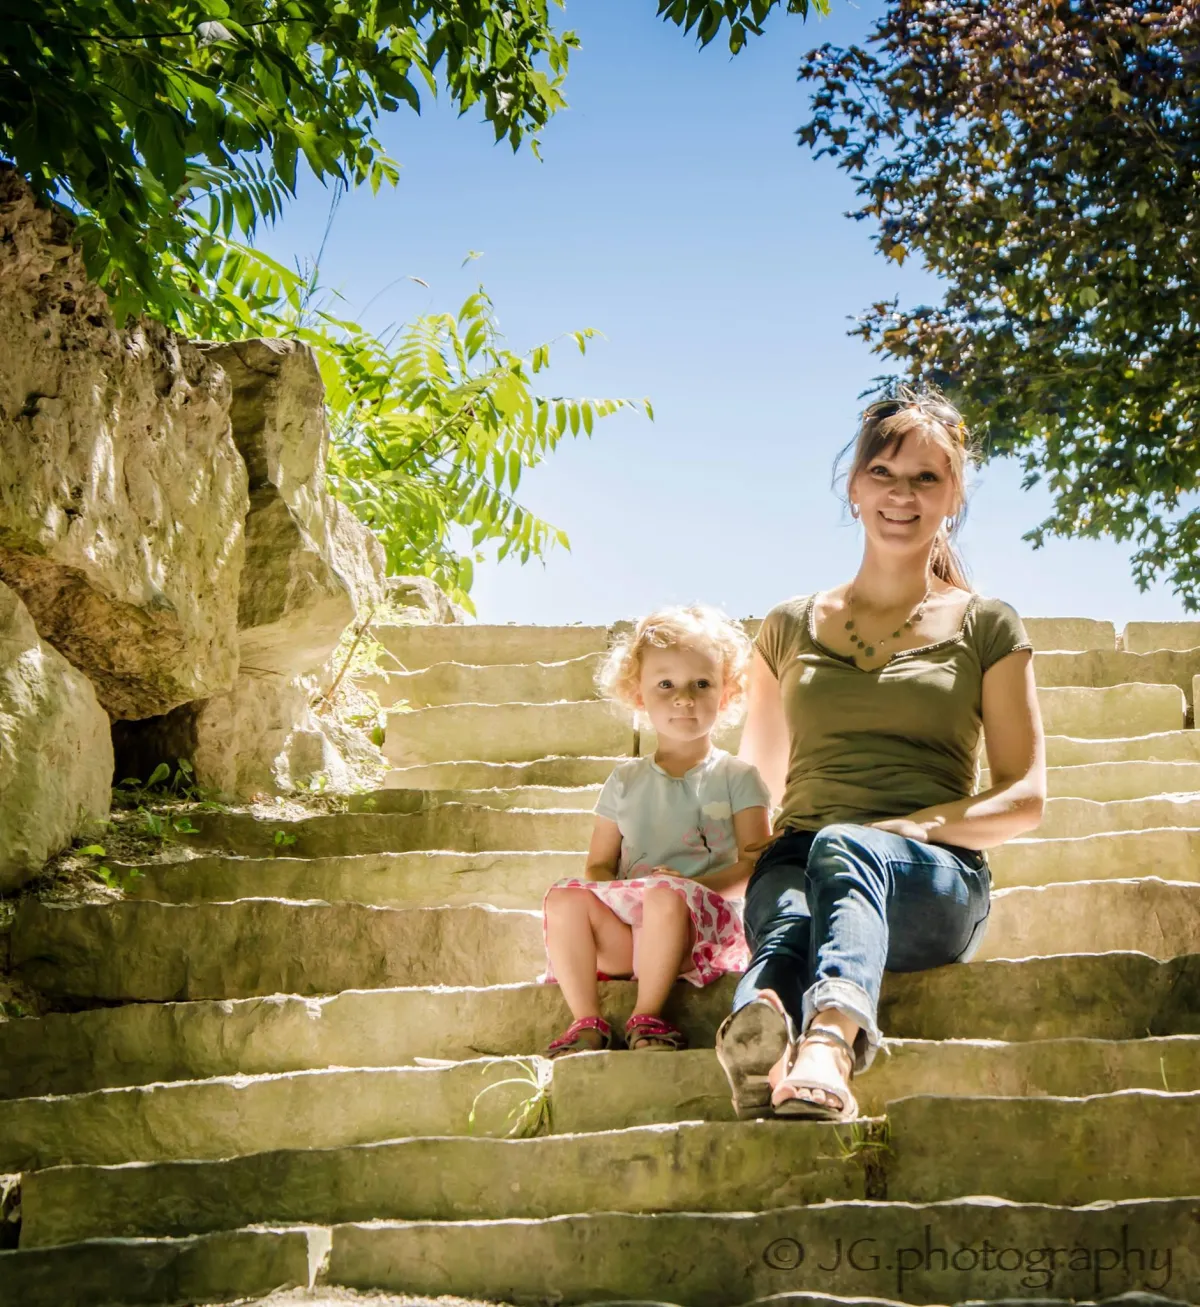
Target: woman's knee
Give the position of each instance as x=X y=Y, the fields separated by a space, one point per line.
x=842 y=849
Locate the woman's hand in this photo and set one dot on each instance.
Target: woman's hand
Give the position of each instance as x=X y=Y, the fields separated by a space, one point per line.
x=666 y=871
x=906 y=827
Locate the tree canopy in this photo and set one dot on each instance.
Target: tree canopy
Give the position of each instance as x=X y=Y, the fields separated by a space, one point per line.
x=1043 y=158
x=164 y=122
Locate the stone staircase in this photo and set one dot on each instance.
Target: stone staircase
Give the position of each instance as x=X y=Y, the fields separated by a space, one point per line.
x=300 y=1069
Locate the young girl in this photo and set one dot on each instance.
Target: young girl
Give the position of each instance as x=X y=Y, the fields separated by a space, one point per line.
x=671 y=839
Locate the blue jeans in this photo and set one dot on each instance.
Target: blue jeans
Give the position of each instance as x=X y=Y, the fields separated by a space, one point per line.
x=826 y=911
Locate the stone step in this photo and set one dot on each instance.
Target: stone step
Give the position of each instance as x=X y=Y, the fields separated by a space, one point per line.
x=540 y=682
x=519 y=879
x=418 y=647
x=486 y=827
x=141 y=950
x=392 y=880
x=968 y=1250
x=1114 y=996
x=554 y=771
x=695 y=1166
x=1158 y=917
x=445 y=683
x=162 y=1272
x=229 y=1116
x=1145 y=637
x=1070 y=633
x=1164 y=851
x=1081 y=712
x=1138 y=1143
x=144 y=951
x=1061 y=751
x=1106 y=782
x=1112 y=667
x=515 y=732
x=451 y=827
x=1070 y=818
x=1163 y=746
x=595 y=1091
x=392 y=798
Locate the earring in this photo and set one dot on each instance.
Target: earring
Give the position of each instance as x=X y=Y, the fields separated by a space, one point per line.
x=854 y=511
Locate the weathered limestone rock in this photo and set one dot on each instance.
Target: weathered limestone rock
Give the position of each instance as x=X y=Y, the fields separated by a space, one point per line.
x=122 y=495
x=310 y=565
x=56 y=758
x=421 y=598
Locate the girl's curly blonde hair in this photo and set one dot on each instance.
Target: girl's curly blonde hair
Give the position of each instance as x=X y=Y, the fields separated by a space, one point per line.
x=698 y=624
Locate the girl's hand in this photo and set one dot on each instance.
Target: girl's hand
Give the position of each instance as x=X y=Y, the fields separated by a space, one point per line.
x=906 y=827
x=666 y=871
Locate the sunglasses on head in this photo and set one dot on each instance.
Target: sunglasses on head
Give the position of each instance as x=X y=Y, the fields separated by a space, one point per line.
x=949 y=417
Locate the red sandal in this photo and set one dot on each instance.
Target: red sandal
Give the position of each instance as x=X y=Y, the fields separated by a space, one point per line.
x=660 y=1035
x=570 y=1040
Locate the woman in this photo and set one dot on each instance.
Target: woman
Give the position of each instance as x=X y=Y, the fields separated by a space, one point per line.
x=864 y=715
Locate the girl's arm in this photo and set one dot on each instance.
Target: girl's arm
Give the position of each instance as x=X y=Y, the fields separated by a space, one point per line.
x=752 y=827
x=765 y=734
x=604 y=852
x=1016 y=750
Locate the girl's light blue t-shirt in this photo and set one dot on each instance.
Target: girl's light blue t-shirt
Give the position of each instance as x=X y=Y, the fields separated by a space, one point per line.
x=682 y=822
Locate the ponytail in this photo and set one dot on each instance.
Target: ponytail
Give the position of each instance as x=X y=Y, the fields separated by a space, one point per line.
x=945 y=562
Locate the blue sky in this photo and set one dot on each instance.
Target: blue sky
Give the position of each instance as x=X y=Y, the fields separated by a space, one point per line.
x=674 y=211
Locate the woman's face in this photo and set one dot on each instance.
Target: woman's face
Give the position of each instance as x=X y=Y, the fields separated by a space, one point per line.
x=905 y=493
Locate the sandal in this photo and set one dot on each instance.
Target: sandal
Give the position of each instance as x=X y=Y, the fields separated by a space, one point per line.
x=578 y=1037
x=659 y=1036
x=792 y=1104
x=750 y=1042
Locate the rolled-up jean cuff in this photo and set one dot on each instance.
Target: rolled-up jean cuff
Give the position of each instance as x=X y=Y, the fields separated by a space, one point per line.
x=855 y=1002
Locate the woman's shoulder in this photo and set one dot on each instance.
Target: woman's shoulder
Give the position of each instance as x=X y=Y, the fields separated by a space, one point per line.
x=995 y=629
x=782 y=629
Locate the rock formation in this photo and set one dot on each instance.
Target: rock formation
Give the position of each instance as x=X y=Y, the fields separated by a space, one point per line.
x=56 y=757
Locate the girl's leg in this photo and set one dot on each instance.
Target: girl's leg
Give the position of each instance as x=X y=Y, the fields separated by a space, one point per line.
x=665 y=940
x=584 y=936
x=878 y=900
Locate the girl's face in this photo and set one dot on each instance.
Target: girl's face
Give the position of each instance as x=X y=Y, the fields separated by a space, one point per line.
x=681 y=689
x=905 y=493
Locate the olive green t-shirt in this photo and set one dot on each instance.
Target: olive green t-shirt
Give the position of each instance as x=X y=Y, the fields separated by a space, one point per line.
x=866 y=745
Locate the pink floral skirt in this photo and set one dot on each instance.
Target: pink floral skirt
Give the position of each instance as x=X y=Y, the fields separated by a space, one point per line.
x=719 y=943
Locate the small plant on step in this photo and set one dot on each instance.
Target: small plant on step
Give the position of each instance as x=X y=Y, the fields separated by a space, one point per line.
x=282 y=840
x=866 y=1144
x=531 y=1114
x=122 y=881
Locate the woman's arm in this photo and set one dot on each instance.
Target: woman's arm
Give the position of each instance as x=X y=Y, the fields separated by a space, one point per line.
x=604 y=851
x=752 y=828
x=765 y=734
x=1016 y=750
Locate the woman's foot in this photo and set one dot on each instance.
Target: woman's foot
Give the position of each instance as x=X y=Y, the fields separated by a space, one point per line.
x=647 y=1033
x=813 y=1082
x=750 y=1043
x=585 y=1035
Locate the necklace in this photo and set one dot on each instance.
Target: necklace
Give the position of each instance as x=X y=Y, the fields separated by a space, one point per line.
x=869 y=649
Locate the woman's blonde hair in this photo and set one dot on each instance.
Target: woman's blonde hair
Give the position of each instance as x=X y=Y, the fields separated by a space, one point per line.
x=885 y=425
x=698 y=624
